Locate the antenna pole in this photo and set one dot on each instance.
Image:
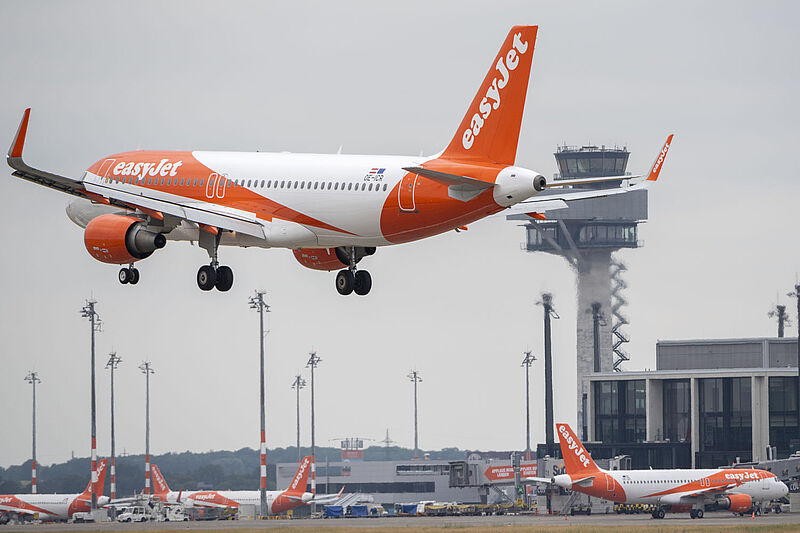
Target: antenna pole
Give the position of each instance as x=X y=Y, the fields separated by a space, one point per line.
x=113 y=362
x=88 y=311
x=257 y=302
x=33 y=379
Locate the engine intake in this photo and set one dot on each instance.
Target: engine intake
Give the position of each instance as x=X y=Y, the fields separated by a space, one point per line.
x=120 y=240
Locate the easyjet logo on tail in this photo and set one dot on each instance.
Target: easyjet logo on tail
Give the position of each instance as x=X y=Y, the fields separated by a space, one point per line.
x=300 y=473
x=661 y=157
x=140 y=170
x=574 y=446
x=492 y=99
x=159 y=479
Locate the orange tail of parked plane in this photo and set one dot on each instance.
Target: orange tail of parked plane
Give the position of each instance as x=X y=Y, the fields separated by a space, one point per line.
x=490 y=129
x=160 y=487
x=298 y=485
x=576 y=458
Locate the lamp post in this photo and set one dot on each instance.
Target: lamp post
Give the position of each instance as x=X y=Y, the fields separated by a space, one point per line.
x=33 y=379
x=526 y=362
x=416 y=378
x=298 y=384
x=257 y=302
x=113 y=362
x=88 y=311
x=147 y=369
x=312 y=363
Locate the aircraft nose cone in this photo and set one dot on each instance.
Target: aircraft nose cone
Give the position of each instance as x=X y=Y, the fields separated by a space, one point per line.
x=784 y=489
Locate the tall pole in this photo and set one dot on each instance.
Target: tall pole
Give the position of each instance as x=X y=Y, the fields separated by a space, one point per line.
x=415 y=377
x=89 y=312
x=596 y=335
x=313 y=361
x=526 y=362
x=547 y=303
x=113 y=362
x=796 y=294
x=147 y=369
x=33 y=379
x=257 y=302
x=298 y=384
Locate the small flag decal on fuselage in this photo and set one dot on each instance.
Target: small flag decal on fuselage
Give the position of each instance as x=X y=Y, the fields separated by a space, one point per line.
x=376 y=172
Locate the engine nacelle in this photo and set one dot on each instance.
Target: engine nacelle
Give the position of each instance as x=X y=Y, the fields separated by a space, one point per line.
x=120 y=239
x=319 y=258
x=736 y=503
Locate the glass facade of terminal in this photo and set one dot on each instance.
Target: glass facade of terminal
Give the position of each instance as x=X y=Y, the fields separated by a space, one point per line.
x=677 y=410
x=726 y=424
x=783 y=419
x=620 y=411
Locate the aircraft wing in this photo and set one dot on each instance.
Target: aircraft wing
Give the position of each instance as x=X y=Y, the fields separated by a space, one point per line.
x=449 y=179
x=197 y=212
x=328 y=498
x=538 y=479
x=682 y=497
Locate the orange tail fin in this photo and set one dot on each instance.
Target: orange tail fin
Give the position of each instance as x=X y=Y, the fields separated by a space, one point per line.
x=160 y=487
x=101 y=479
x=576 y=458
x=298 y=484
x=490 y=129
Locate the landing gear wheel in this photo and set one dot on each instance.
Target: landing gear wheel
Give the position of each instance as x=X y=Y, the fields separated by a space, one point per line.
x=224 y=279
x=660 y=514
x=206 y=277
x=692 y=514
x=699 y=513
x=124 y=276
x=363 y=283
x=134 y=276
x=345 y=282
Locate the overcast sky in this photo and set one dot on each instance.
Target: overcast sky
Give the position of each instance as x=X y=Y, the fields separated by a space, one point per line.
x=381 y=78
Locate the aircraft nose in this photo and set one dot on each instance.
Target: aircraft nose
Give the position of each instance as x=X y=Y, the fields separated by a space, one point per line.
x=784 y=489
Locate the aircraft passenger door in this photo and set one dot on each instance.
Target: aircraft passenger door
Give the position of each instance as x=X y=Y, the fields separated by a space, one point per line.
x=211 y=184
x=405 y=194
x=609 y=483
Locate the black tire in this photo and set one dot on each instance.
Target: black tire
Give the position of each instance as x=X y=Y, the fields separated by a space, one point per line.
x=363 y=283
x=699 y=513
x=206 y=277
x=124 y=276
x=224 y=279
x=660 y=514
x=345 y=282
x=572 y=512
x=134 y=276
x=588 y=512
x=778 y=509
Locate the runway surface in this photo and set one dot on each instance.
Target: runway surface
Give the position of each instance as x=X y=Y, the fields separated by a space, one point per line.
x=584 y=524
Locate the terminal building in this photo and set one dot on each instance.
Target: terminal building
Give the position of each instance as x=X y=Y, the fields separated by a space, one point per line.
x=708 y=403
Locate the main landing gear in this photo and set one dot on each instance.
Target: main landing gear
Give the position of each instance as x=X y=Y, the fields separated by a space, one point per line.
x=213 y=275
x=210 y=276
x=351 y=279
x=660 y=513
x=696 y=513
x=129 y=275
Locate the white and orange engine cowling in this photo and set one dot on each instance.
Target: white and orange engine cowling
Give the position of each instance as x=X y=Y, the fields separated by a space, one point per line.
x=120 y=240
x=736 y=503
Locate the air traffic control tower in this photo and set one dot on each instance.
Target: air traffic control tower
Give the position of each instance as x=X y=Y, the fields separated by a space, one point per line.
x=586 y=234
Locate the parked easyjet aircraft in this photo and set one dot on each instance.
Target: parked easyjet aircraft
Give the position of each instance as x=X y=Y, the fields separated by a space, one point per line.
x=23 y=507
x=736 y=489
x=278 y=501
x=331 y=210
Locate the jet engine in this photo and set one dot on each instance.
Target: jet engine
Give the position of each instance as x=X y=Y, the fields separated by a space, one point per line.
x=318 y=258
x=120 y=240
x=736 y=503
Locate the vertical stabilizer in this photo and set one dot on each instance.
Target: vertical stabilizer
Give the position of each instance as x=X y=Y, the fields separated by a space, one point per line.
x=576 y=458
x=300 y=480
x=490 y=129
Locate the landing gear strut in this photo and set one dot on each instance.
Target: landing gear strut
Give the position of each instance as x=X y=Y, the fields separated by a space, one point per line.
x=351 y=279
x=129 y=275
x=213 y=275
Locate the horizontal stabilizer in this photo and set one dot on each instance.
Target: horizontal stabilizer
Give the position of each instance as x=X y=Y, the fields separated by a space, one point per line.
x=449 y=179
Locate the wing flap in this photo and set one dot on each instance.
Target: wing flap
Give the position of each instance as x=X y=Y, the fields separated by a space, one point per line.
x=200 y=213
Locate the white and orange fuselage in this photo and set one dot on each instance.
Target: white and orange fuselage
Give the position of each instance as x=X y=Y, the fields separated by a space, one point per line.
x=307 y=200
x=54 y=506
x=677 y=490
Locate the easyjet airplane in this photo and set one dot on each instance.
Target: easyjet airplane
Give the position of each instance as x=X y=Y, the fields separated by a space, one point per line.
x=24 y=507
x=736 y=489
x=331 y=210
x=278 y=501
